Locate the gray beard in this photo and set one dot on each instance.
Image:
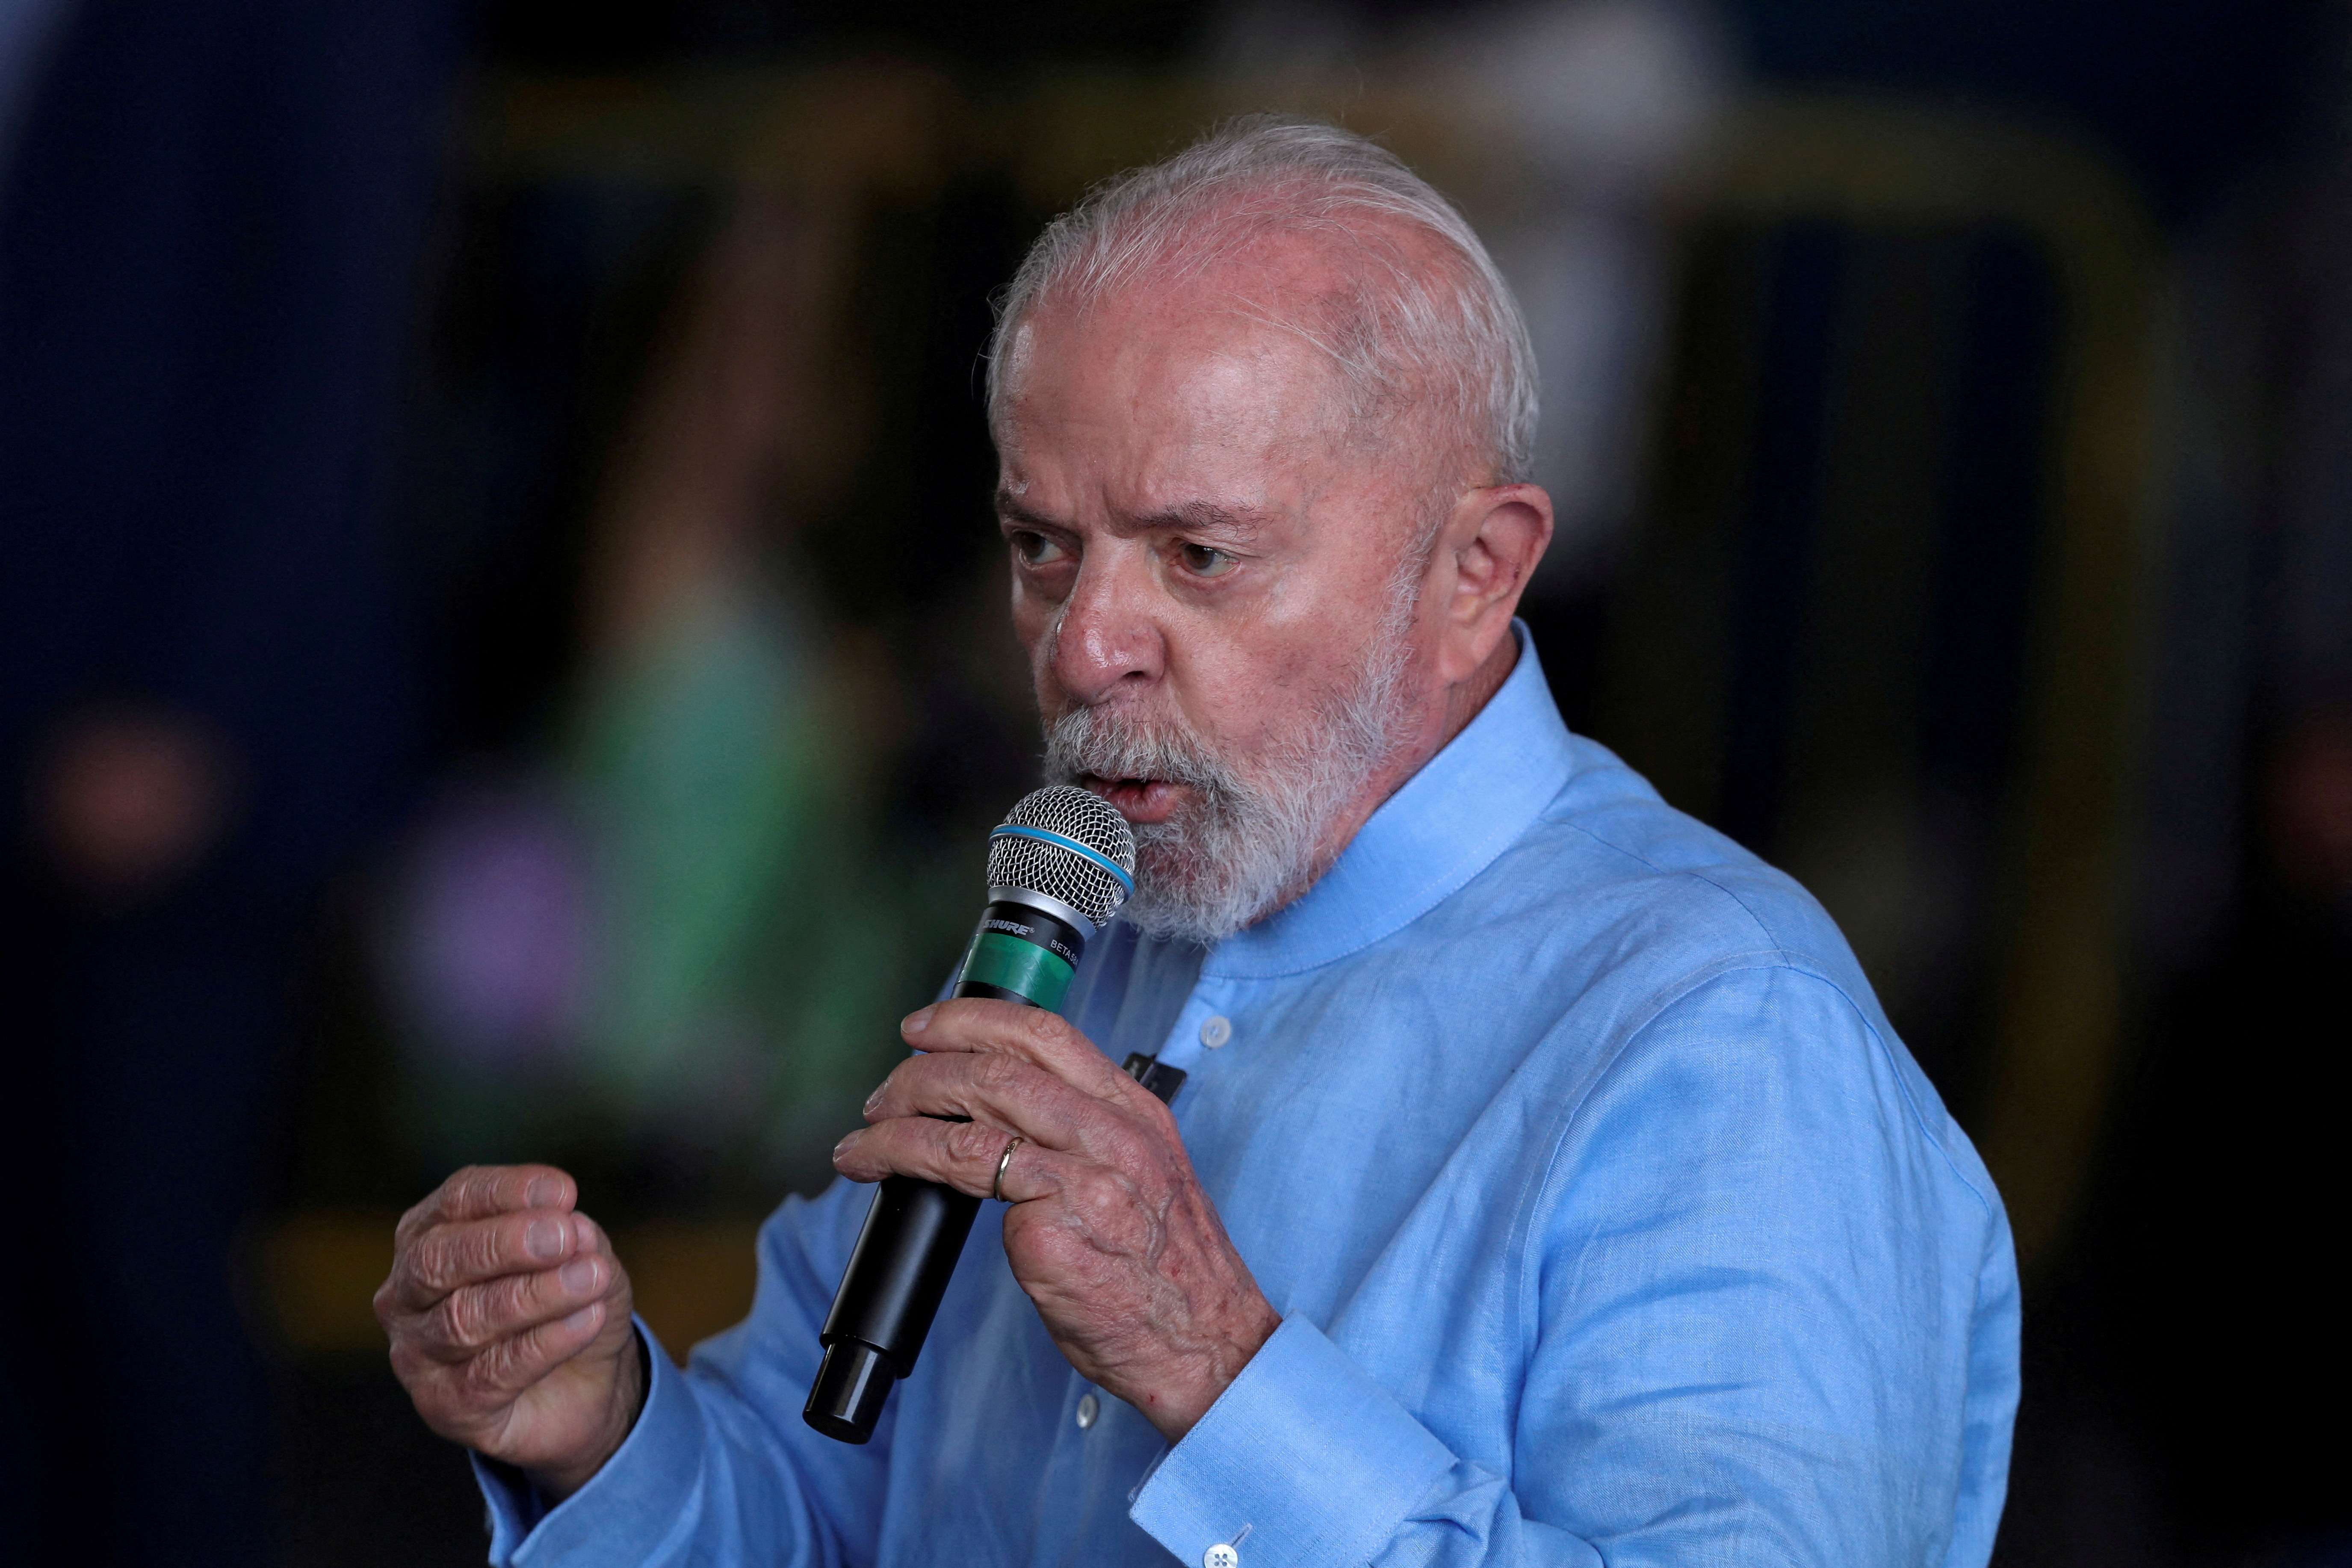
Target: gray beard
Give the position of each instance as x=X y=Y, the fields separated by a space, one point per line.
x=1247 y=841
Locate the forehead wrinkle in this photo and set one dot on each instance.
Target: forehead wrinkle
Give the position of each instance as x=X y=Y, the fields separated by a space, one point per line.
x=1161 y=375
x=1242 y=525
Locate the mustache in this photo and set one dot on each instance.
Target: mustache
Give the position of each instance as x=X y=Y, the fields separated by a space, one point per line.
x=1110 y=744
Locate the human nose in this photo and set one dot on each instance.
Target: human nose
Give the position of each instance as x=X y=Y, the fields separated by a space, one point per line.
x=1105 y=636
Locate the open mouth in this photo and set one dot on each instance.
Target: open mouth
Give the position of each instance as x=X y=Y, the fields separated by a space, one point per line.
x=1138 y=800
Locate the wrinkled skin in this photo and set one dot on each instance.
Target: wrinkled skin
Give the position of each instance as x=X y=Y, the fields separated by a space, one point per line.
x=1195 y=532
x=509 y=1317
x=1103 y=1209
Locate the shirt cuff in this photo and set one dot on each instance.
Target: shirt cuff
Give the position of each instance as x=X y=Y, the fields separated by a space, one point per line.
x=629 y=1508
x=1304 y=1460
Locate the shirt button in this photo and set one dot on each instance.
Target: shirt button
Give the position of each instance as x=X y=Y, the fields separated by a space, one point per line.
x=1221 y=1556
x=1088 y=1408
x=1215 y=1033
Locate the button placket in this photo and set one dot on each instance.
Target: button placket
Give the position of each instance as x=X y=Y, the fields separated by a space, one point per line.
x=1183 y=1046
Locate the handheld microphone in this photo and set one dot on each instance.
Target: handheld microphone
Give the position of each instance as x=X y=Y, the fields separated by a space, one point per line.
x=1058 y=870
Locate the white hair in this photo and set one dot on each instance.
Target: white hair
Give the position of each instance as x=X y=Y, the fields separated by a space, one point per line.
x=1257 y=831
x=1402 y=332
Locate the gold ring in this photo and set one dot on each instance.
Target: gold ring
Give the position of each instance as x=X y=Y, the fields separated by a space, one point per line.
x=996 y=1187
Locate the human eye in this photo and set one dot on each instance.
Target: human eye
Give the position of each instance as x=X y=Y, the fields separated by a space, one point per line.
x=1036 y=549
x=1206 y=560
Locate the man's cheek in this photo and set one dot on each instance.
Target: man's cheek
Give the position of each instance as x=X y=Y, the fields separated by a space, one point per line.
x=1052 y=700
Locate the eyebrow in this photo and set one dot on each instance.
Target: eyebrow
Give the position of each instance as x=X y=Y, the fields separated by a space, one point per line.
x=1239 y=523
x=1010 y=510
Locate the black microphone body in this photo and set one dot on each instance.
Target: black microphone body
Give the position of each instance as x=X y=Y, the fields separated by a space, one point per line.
x=1027 y=948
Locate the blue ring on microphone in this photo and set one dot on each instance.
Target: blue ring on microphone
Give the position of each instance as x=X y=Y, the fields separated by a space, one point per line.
x=1094 y=857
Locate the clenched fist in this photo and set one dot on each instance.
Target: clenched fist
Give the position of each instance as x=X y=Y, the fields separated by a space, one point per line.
x=509 y=1324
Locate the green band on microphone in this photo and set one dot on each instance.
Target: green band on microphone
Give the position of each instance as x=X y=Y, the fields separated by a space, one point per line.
x=1021 y=967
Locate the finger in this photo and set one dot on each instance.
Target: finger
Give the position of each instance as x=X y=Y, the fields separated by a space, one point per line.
x=478 y=1191
x=589 y=1237
x=1044 y=1039
x=1033 y=1172
x=450 y=1257
x=959 y=1154
x=466 y=1322
x=590 y=1241
x=1003 y=1092
x=514 y=1363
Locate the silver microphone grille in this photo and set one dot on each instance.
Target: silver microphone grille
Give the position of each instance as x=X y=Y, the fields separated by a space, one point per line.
x=1042 y=866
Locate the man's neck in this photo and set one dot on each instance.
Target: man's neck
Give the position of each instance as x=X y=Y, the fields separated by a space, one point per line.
x=1466 y=700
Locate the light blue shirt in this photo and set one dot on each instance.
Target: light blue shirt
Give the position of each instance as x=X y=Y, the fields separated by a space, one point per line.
x=1609 y=1220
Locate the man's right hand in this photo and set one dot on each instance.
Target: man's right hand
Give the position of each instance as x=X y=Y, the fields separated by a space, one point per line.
x=509 y=1324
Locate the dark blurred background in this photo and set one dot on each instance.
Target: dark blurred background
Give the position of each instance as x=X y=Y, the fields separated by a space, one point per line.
x=493 y=502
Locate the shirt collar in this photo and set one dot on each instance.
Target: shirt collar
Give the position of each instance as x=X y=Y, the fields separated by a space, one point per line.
x=1445 y=824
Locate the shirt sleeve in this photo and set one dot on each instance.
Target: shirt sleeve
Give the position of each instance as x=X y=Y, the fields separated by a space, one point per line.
x=1769 y=1318
x=1304 y=1460
x=719 y=1466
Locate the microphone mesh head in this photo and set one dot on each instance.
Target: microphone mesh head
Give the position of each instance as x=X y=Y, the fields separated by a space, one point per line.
x=1057 y=872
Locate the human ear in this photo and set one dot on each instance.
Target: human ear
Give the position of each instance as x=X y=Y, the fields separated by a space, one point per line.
x=1488 y=548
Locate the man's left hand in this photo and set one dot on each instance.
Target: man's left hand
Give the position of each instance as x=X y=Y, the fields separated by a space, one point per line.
x=1107 y=1227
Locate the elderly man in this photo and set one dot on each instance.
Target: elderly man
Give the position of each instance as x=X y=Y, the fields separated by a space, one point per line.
x=1547 y=1187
